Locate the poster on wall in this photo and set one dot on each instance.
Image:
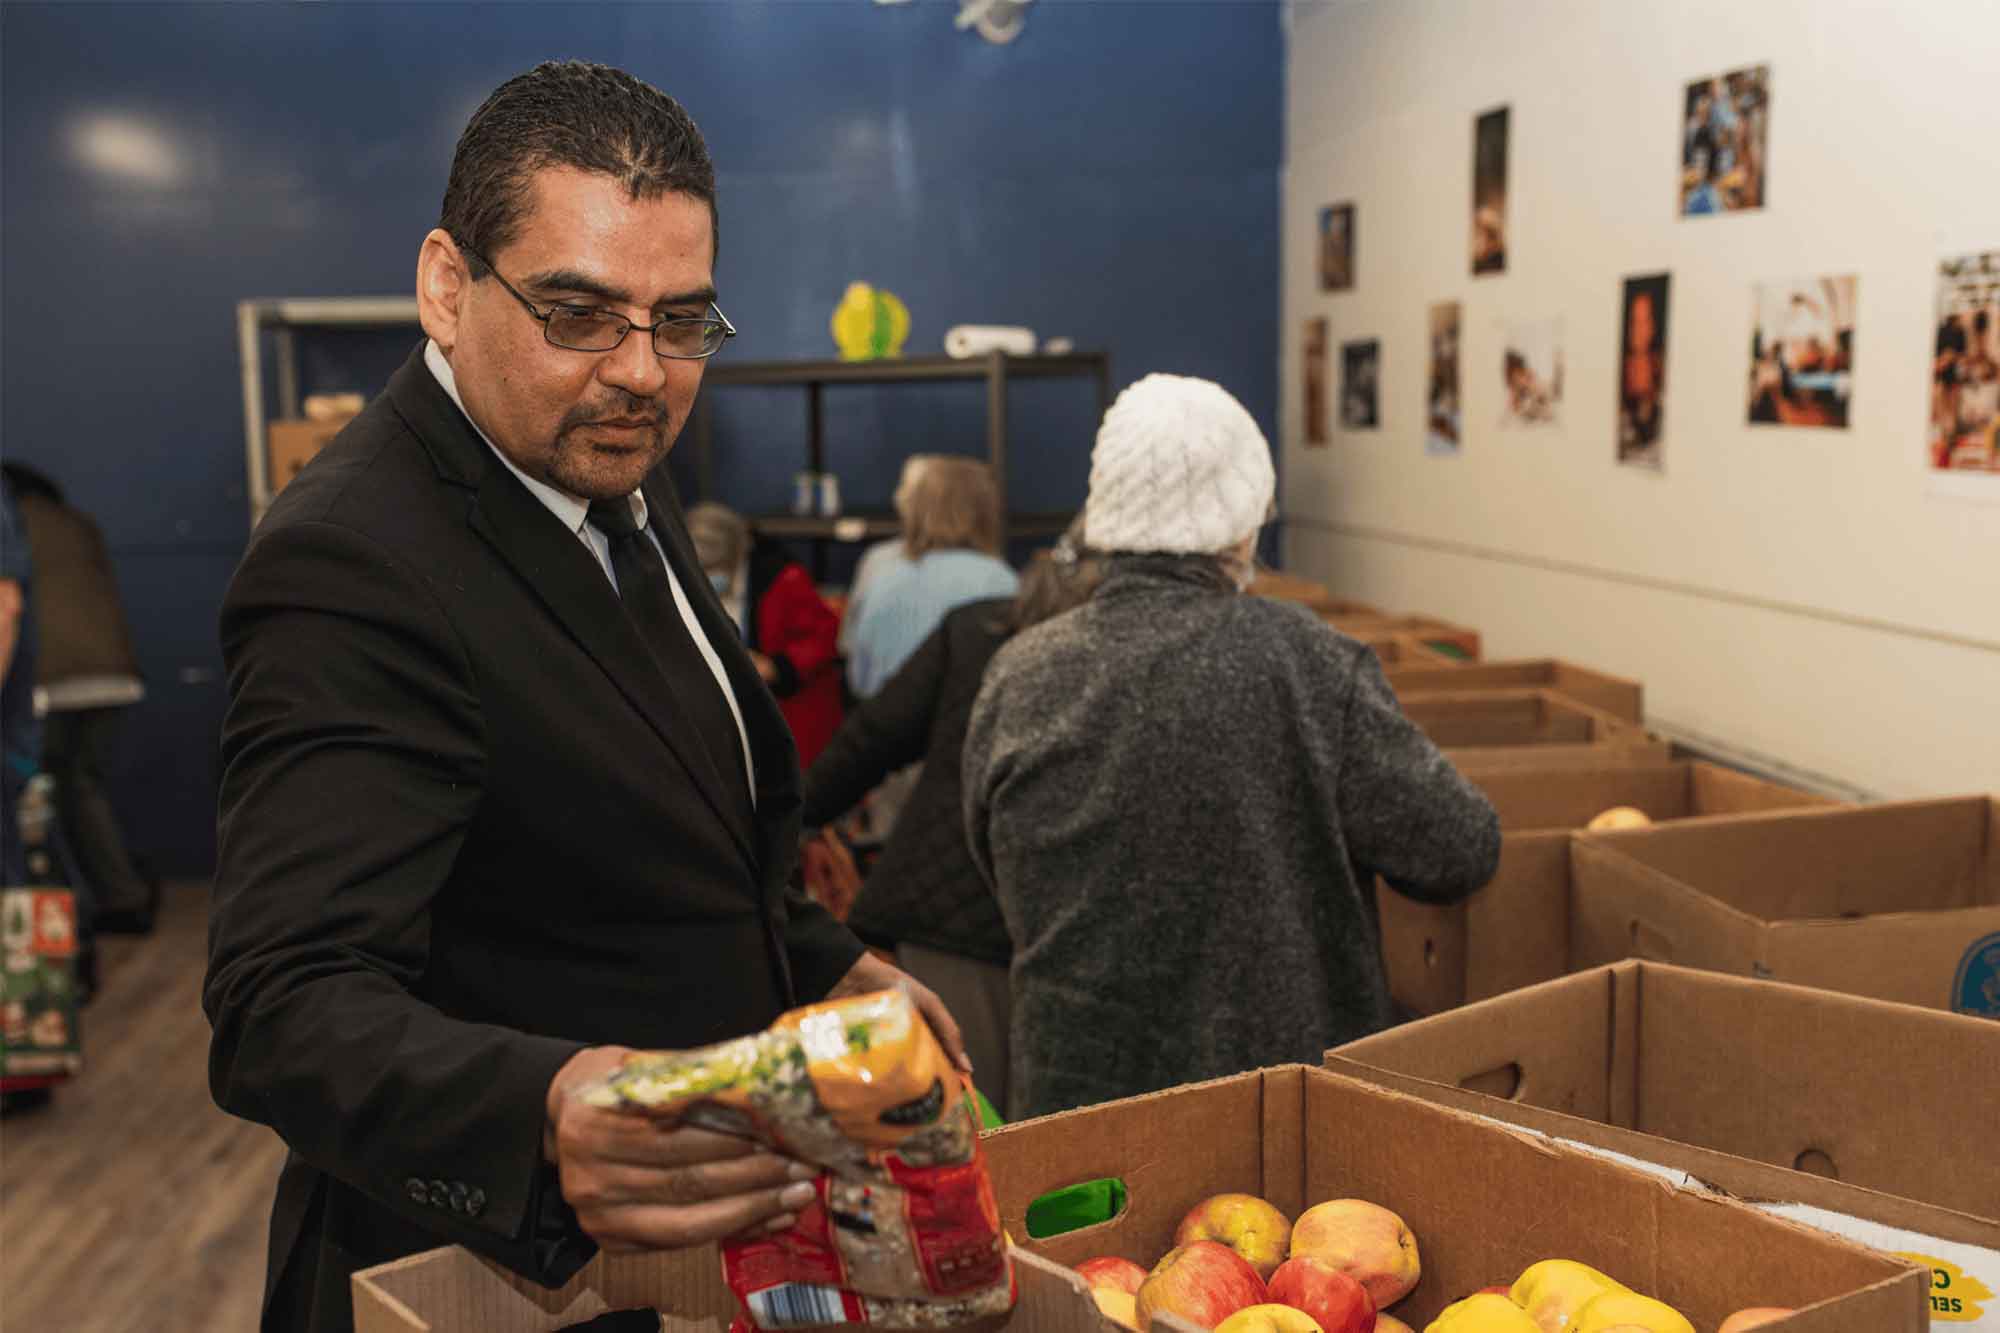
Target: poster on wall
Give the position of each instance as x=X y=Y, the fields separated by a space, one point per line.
x=1802 y=352
x=1727 y=122
x=1964 y=446
x=1315 y=381
x=1489 y=192
x=1441 y=431
x=1336 y=248
x=1531 y=373
x=1642 y=371
x=1360 y=373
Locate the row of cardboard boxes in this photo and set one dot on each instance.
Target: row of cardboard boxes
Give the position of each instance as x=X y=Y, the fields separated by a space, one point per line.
x=1647 y=1120
x=1720 y=1141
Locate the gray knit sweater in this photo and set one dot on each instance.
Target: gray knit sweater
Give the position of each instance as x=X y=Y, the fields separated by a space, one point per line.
x=1179 y=795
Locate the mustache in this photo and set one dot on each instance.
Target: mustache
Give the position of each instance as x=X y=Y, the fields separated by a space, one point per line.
x=626 y=408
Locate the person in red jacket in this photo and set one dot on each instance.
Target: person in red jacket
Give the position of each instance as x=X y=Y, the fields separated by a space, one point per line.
x=790 y=630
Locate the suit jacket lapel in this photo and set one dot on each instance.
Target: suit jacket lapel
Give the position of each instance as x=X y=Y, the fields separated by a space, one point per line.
x=563 y=574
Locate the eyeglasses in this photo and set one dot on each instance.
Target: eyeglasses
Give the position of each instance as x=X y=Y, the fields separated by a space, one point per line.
x=582 y=328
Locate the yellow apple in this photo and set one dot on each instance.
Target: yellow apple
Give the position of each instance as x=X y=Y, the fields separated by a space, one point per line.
x=1269 y=1319
x=1363 y=1240
x=1245 y=1223
x=1617 y=817
x=1388 y=1323
x=1628 y=1309
x=1118 y=1306
x=1755 y=1317
x=1482 y=1312
x=1553 y=1290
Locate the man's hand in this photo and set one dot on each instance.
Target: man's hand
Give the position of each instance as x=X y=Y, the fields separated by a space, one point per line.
x=640 y=1183
x=765 y=667
x=872 y=974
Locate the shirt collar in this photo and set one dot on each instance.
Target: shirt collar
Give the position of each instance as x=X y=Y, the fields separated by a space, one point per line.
x=566 y=507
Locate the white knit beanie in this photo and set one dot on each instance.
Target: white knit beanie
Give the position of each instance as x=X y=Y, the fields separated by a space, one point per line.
x=1179 y=466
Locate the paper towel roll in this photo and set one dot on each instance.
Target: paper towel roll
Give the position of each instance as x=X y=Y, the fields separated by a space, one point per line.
x=965 y=340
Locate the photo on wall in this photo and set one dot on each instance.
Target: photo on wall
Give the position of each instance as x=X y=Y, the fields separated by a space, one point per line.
x=1360 y=376
x=1726 y=123
x=1489 y=192
x=1442 y=434
x=1314 y=380
x=1642 y=370
x=1336 y=248
x=1965 y=368
x=1531 y=373
x=1802 y=352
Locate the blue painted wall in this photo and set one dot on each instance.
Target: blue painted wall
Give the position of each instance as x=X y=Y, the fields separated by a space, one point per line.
x=1112 y=176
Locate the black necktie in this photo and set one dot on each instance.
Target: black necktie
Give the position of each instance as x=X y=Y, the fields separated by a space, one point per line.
x=649 y=600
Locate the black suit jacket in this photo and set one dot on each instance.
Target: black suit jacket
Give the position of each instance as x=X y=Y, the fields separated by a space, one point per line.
x=464 y=832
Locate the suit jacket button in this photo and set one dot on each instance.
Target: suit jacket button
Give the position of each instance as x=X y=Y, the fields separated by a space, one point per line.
x=475 y=1203
x=416 y=1190
x=440 y=1196
x=458 y=1196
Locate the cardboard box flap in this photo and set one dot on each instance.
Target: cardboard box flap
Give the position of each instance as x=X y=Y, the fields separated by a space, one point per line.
x=1621 y=698
x=1715 y=790
x=1623 y=908
x=1571 y=798
x=1887 y=1082
x=1844 y=861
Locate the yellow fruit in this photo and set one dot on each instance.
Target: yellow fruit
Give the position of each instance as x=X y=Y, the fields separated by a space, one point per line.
x=1483 y=1313
x=869 y=323
x=1628 y=1309
x=1617 y=817
x=1118 y=1306
x=1755 y=1317
x=1269 y=1319
x=1553 y=1290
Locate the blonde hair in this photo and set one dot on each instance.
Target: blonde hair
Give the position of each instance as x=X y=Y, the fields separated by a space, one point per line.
x=1056 y=580
x=948 y=503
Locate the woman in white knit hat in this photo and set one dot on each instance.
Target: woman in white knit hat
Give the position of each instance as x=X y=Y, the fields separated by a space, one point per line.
x=1181 y=795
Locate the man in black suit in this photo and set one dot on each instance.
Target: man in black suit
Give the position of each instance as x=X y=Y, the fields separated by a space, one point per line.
x=503 y=794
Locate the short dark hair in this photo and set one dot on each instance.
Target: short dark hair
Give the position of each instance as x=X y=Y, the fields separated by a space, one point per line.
x=568 y=113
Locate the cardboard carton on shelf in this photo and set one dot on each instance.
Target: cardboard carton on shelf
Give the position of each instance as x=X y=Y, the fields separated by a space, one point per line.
x=1872 y=1119
x=1899 y=901
x=1623 y=699
x=291 y=444
x=1294 y=1136
x=1484 y=1202
x=1486 y=730
x=1455 y=641
x=1316 y=597
x=1407 y=650
x=1515 y=931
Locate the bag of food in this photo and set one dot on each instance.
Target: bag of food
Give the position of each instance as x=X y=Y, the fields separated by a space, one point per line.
x=905 y=1232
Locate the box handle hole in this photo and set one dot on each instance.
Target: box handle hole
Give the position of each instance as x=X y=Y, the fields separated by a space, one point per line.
x=1074 y=1207
x=1814 y=1162
x=1503 y=1082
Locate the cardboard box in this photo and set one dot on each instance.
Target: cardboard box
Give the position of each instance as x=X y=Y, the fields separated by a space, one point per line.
x=1315 y=596
x=1294 y=1136
x=1483 y=1201
x=291 y=444
x=1622 y=698
x=1487 y=730
x=1515 y=931
x=1408 y=651
x=1454 y=641
x=452 y=1290
x=39 y=1035
x=1898 y=901
x=1886 y=1110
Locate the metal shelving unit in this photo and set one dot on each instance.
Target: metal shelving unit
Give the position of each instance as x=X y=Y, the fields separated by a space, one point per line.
x=282 y=316
x=996 y=369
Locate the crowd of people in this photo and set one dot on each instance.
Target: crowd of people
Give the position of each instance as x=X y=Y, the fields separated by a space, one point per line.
x=511 y=766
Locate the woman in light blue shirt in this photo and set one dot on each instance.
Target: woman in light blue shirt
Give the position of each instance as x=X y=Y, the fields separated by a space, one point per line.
x=948 y=556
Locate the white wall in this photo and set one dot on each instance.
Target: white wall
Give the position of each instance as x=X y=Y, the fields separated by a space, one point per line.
x=1795 y=593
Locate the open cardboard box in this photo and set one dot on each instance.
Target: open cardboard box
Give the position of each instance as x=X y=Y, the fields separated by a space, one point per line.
x=1887 y=1110
x=1484 y=1202
x=1898 y=901
x=1483 y=731
x=1622 y=698
x=1516 y=931
x=1408 y=651
x=1316 y=596
x=1439 y=636
x=292 y=443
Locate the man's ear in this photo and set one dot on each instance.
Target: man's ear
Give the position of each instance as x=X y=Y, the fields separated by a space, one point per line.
x=442 y=286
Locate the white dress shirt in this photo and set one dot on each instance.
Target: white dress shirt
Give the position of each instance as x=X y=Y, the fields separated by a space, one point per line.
x=574 y=515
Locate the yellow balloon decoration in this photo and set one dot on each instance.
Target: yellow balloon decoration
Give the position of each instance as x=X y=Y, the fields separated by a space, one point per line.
x=869 y=324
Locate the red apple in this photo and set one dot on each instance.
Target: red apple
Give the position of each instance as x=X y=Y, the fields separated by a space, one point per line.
x=1110 y=1271
x=1204 y=1283
x=1337 y=1302
x=1245 y=1223
x=1363 y=1240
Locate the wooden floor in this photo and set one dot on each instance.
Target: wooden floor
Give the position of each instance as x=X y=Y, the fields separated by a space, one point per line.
x=130 y=1202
